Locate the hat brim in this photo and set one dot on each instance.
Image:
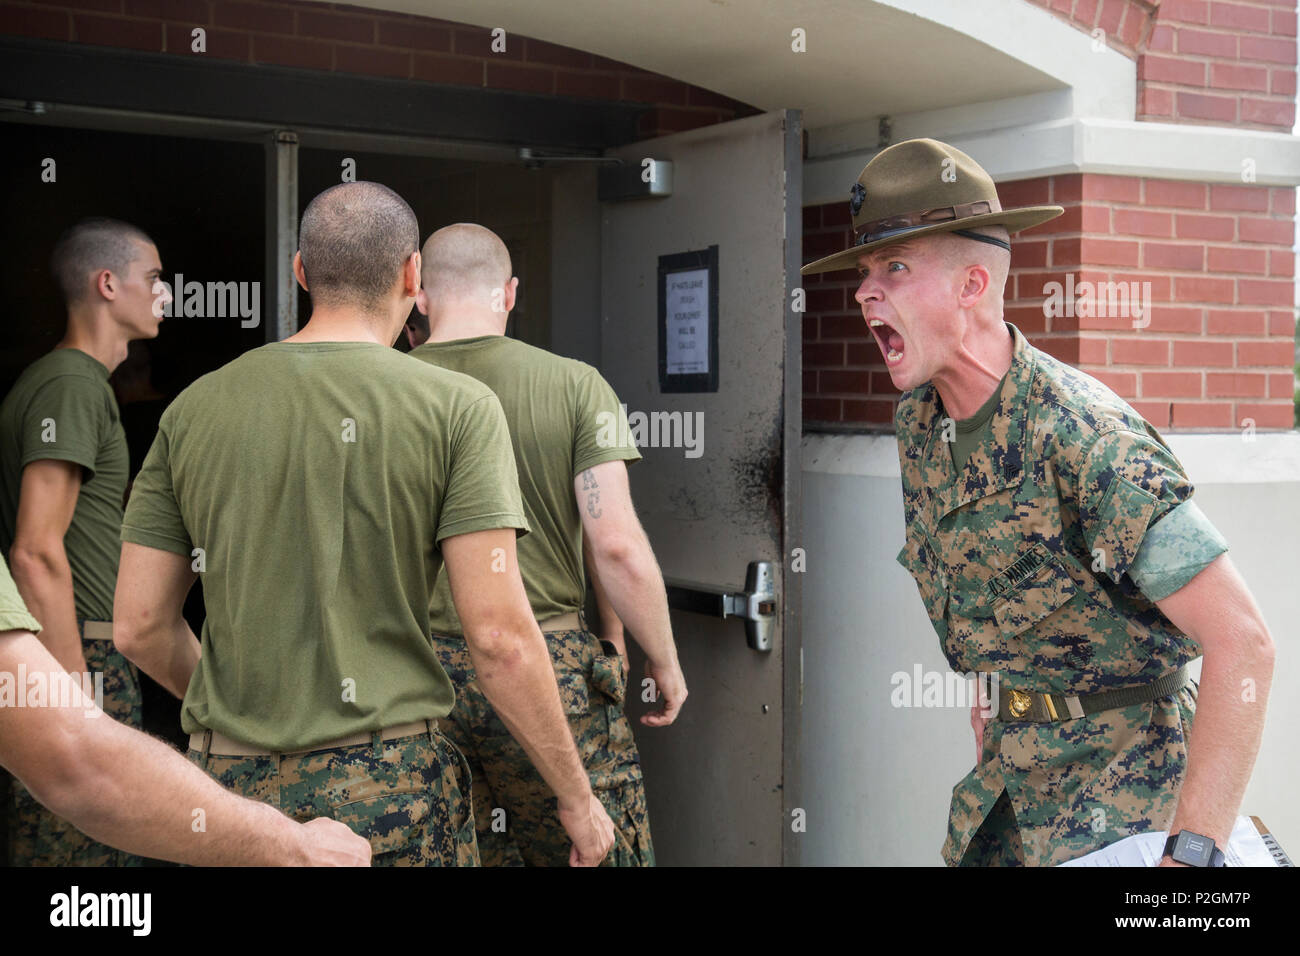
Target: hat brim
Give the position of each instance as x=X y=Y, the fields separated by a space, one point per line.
x=1014 y=219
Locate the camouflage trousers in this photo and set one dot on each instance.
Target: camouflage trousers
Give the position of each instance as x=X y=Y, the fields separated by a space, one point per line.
x=1045 y=793
x=39 y=838
x=516 y=812
x=408 y=796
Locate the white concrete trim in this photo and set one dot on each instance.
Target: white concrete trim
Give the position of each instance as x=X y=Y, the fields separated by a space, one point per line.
x=1228 y=459
x=1210 y=459
x=1113 y=147
x=867 y=456
x=1101 y=80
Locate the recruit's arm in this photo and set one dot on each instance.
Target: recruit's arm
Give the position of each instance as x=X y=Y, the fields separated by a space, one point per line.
x=149 y=627
x=611 y=626
x=130 y=791
x=1216 y=610
x=47 y=497
x=626 y=567
x=514 y=669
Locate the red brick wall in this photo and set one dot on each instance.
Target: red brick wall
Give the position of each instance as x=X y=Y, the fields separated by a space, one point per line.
x=1221 y=62
x=1220 y=345
x=349 y=39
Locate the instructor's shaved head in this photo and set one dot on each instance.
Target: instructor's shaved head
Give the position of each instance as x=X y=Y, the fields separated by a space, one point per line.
x=464 y=261
x=353 y=241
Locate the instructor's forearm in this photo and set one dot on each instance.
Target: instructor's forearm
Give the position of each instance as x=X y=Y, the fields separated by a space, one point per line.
x=515 y=673
x=44 y=581
x=1225 y=735
x=133 y=792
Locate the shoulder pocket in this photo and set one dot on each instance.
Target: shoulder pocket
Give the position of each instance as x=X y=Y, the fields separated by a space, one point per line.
x=1034 y=586
x=1122 y=520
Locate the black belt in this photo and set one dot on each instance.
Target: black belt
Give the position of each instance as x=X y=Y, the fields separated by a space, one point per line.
x=1044 y=708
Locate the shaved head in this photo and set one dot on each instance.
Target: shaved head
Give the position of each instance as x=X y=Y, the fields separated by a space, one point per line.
x=464 y=261
x=354 y=239
x=91 y=246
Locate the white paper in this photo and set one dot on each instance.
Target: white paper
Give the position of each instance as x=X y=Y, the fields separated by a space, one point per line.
x=686 y=308
x=1245 y=848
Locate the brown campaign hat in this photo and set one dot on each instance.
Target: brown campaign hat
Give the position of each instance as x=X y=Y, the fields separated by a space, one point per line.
x=918 y=187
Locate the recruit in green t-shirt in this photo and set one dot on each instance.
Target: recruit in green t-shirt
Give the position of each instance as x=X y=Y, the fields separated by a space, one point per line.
x=62 y=408
x=564 y=418
x=313 y=481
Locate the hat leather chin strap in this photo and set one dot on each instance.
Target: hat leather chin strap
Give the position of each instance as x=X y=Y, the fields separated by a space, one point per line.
x=993 y=240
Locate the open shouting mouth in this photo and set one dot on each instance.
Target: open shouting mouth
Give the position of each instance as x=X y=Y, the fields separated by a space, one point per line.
x=890 y=341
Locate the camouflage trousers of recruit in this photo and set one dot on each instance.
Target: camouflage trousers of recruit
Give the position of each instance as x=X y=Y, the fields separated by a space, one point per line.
x=39 y=838
x=516 y=812
x=408 y=796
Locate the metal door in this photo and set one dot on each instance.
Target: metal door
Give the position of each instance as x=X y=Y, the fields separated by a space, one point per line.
x=719 y=780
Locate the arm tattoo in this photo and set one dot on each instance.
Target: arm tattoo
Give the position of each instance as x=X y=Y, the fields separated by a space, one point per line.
x=593 y=493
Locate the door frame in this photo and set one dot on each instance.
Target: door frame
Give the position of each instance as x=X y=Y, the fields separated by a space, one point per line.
x=286 y=109
x=792 y=501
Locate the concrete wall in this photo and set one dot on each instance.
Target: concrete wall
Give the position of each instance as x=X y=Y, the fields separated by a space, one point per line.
x=877 y=778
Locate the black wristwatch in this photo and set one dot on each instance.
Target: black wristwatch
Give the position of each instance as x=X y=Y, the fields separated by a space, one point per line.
x=1193 y=849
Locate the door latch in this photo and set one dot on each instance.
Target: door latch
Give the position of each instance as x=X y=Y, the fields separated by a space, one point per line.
x=756 y=605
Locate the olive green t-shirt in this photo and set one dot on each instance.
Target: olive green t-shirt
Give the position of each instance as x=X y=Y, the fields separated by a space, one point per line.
x=14 y=615
x=62 y=408
x=317 y=479
x=564 y=418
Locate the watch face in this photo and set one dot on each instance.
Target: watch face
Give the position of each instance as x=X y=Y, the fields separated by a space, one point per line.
x=1193 y=849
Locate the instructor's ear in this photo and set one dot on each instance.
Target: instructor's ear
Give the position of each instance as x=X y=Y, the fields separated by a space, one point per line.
x=975 y=286
x=511 y=291
x=298 y=272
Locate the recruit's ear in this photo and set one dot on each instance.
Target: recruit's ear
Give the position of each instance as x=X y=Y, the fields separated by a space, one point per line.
x=411 y=275
x=298 y=272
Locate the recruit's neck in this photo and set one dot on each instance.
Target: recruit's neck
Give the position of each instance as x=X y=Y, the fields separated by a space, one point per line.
x=347 y=325
x=449 y=324
x=97 y=335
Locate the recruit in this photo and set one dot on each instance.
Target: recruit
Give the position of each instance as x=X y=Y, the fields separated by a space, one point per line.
x=317 y=486
x=575 y=491
x=1054 y=540
x=63 y=477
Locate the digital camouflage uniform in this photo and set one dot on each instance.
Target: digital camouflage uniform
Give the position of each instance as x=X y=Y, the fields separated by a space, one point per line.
x=408 y=796
x=39 y=838
x=510 y=796
x=1025 y=563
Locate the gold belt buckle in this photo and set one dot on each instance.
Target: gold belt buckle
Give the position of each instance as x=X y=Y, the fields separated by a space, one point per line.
x=1020 y=703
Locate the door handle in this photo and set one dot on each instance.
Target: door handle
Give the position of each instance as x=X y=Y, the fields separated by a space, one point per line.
x=756 y=605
